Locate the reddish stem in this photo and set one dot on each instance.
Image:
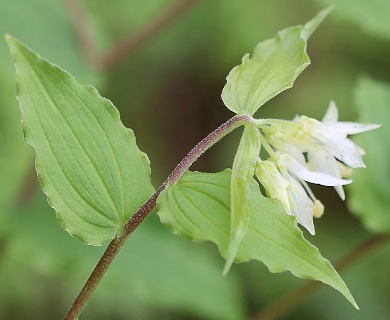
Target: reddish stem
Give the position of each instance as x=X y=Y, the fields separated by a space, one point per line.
x=116 y=244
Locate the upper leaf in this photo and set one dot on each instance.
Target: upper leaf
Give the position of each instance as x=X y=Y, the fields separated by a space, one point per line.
x=88 y=163
x=273 y=68
x=242 y=172
x=198 y=208
x=369 y=196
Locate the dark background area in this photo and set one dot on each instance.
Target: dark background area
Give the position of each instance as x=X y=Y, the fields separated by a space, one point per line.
x=168 y=91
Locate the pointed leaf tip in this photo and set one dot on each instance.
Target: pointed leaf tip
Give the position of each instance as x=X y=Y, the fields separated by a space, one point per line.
x=313 y=24
x=272 y=68
x=88 y=163
x=198 y=208
x=8 y=38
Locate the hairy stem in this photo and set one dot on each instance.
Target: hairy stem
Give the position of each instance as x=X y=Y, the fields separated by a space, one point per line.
x=291 y=300
x=116 y=244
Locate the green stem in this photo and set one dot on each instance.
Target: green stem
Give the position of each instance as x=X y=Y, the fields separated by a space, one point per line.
x=268 y=148
x=116 y=244
x=294 y=298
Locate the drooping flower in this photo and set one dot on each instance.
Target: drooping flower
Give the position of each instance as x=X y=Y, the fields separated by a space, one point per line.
x=286 y=180
x=321 y=146
x=307 y=150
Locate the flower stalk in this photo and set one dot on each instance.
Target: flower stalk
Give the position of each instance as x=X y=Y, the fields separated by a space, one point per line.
x=117 y=243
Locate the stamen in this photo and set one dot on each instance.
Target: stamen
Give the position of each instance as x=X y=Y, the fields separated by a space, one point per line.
x=318 y=209
x=345 y=171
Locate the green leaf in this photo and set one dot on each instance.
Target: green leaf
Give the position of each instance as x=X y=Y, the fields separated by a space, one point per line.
x=56 y=42
x=88 y=163
x=17 y=158
x=198 y=208
x=369 y=192
x=243 y=170
x=273 y=68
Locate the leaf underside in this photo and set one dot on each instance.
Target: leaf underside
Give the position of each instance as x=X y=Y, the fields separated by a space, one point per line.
x=198 y=208
x=88 y=163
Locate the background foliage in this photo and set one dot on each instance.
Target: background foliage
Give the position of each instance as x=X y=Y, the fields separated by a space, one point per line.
x=168 y=92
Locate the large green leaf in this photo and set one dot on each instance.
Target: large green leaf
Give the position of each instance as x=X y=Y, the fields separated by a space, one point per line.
x=369 y=192
x=29 y=20
x=242 y=172
x=198 y=208
x=88 y=163
x=15 y=156
x=273 y=68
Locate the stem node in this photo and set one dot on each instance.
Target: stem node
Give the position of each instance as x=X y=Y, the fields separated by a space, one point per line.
x=132 y=224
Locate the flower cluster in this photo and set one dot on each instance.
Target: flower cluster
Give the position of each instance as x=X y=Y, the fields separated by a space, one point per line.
x=307 y=150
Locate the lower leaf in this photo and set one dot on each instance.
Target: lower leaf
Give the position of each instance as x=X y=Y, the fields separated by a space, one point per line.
x=198 y=208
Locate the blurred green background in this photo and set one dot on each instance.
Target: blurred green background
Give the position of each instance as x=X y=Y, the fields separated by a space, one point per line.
x=168 y=92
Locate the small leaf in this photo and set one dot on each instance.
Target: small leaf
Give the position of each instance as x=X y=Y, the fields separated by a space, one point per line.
x=198 y=208
x=88 y=163
x=243 y=170
x=273 y=68
x=369 y=192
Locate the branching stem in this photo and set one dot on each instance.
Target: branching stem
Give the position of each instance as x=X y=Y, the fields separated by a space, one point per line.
x=116 y=244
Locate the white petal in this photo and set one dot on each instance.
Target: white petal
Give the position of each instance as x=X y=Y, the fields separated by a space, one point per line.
x=301 y=205
x=287 y=145
x=304 y=215
x=346 y=151
x=353 y=127
x=321 y=131
x=323 y=161
x=331 y=114
x=303 y=173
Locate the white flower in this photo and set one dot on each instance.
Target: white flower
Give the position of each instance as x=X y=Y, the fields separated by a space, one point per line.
x=307 y=150
x=320 y=146
x=306 y=205
x=274 y=184
x=286 y=180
